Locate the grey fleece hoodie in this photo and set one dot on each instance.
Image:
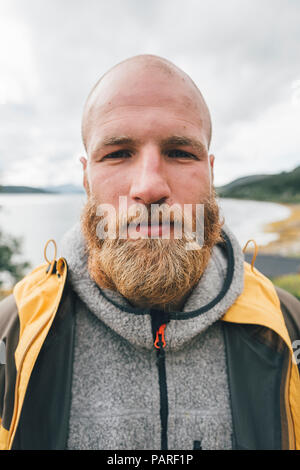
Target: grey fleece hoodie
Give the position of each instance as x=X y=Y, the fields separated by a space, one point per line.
x=126 y=397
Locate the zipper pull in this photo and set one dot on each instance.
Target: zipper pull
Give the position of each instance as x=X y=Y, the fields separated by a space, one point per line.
x=160 y=341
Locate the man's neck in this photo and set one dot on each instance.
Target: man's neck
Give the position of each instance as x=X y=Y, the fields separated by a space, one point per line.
x=170 y=307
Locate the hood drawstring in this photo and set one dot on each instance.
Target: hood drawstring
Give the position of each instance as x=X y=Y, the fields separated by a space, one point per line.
x=255 y=253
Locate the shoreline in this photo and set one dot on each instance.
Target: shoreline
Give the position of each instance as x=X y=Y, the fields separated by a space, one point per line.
x=288 y=233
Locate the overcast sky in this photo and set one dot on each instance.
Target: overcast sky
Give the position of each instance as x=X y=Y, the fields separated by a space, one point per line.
x=244 y=55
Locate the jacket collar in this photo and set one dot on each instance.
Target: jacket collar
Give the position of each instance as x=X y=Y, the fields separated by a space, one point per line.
x=216 y=291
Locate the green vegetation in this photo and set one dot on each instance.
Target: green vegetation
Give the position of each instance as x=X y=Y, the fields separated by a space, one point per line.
x=9 y=266
x=11 y=269
x=283 y=187
x=290 y=282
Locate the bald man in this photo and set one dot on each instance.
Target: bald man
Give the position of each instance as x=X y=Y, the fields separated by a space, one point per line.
x=150 y=332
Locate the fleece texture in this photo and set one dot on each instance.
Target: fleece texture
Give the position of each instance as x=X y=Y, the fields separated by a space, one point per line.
x=116 y=389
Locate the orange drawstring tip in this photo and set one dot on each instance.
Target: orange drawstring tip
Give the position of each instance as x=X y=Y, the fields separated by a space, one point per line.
x=160 y=337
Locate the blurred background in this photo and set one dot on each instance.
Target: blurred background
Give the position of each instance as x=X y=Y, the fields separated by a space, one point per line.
x=242 y=54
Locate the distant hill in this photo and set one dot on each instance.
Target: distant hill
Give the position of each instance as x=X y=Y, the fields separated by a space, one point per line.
x=61 y=189
x=282 y=187
x=65 y=188
x=243 y=180
x=21 y=189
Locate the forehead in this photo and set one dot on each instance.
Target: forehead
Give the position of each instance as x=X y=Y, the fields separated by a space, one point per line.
x=144 y=97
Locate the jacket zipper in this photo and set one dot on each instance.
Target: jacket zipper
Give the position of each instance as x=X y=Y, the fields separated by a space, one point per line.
x=160 y=344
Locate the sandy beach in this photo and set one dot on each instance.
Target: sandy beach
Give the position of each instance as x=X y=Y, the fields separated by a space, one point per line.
x=288 y=231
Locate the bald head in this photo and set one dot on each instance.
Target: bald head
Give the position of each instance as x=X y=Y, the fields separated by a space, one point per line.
x=144 y=80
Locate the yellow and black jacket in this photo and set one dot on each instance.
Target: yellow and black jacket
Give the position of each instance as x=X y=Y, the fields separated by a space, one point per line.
x=37 y=327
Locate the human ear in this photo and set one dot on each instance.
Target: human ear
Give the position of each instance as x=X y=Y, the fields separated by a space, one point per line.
x=83 y=160
x=211 y=164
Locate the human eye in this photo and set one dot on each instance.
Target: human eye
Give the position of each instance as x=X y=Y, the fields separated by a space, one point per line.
x=181 y=154
x=117 y=155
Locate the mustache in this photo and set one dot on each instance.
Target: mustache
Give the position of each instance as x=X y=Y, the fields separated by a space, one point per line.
x=102 y=220
x=153 y=215
x=147 y=214
x=139 y=216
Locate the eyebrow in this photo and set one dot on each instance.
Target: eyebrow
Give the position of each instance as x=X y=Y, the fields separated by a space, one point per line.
x=178 y=140
x=118 y=140
x=113 y=141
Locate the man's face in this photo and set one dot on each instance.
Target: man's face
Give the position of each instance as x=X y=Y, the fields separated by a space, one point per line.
x=146 y=134
x=147 y=141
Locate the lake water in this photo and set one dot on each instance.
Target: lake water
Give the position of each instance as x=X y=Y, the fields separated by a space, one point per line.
x=38 y=217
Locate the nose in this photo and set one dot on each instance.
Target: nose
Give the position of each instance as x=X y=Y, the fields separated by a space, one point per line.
x=149 y=182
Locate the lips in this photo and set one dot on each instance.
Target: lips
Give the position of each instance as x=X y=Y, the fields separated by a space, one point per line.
x=150 y=231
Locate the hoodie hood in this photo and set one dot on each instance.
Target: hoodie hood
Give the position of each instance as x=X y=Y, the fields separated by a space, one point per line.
x=220 y=285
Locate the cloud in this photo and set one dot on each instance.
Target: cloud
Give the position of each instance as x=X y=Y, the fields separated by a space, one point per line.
x=242 y=55
x=267 y=144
